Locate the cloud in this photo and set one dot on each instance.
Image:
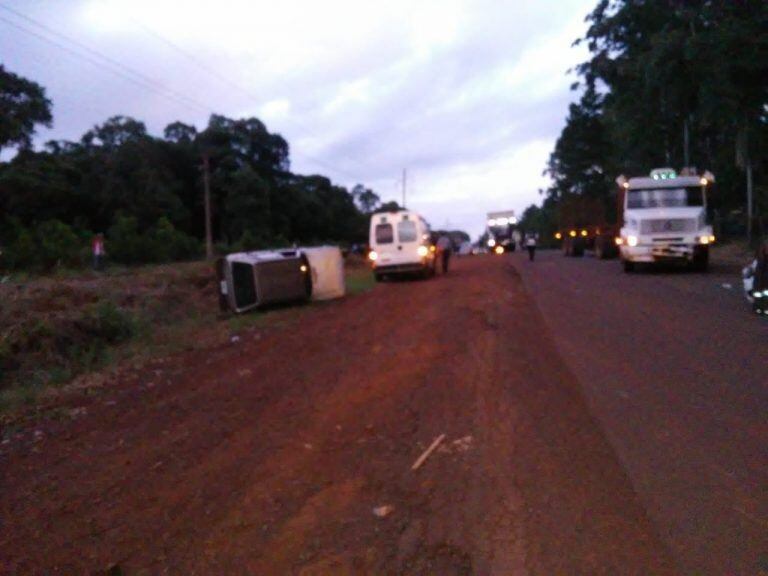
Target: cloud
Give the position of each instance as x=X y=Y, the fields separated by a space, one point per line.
x=468 y=95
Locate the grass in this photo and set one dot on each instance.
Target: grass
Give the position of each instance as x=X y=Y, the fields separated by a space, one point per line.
x=64 y=329
x=359 y=280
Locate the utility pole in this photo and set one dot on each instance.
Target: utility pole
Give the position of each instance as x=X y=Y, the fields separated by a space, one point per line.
x=207 y=190
x=405 y=174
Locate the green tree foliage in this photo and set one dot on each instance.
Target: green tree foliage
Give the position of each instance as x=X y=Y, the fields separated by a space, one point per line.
x=23 y=105
x=146 y=193
x=661 y=74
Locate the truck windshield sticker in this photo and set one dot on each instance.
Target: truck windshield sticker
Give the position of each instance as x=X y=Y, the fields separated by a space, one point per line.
x=665 y=197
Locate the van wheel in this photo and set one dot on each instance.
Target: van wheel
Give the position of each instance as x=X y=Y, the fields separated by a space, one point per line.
x=629 y=266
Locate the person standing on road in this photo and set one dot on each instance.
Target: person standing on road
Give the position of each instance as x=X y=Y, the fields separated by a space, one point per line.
x=97 y=246
x=760 y=281
x=530 y=244
x=444 y=251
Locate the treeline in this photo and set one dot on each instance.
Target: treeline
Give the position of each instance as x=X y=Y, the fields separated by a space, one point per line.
x=145 y=193
x=668 y=83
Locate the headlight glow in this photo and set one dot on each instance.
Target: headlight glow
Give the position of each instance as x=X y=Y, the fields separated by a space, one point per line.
x=499 y=249
x=372 y=256
x=619 y=240
x=583 y=232
x=491 y=242
x=704 y=240
x=631 y=240
x=558 y=235
x=303 y=268
x=422 y=250
x=572 y=233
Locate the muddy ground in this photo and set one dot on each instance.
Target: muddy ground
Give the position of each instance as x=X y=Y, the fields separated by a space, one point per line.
x=273 y=454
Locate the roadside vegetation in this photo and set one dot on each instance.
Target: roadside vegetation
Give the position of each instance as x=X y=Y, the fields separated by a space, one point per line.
x=667 y=84
x=62 y=328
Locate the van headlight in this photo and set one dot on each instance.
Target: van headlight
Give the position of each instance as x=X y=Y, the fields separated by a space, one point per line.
x=422 y=251
x=631 y=240
x=372 y=256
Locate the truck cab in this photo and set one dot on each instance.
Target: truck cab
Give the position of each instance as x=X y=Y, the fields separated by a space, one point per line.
x=501 y=231
x=664 y=219
x=401 y=244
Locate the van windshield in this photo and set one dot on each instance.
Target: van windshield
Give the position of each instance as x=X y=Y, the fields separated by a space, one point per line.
x=406 y=231
x=384 y=234
x=665 y=197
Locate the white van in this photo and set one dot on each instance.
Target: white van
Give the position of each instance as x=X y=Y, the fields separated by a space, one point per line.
x=401 y=244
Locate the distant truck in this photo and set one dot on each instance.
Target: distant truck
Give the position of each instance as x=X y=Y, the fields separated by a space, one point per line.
x=664 y=218
x=501 y=230
x=583 y=225
x=401 y=244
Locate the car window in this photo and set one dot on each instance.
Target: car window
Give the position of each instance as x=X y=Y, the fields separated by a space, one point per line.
x=384 y=234
x=406 y=231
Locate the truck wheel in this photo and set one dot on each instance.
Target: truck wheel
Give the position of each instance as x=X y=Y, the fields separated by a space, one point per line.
x=629 y=266
x=700 y=261
x=599 y=251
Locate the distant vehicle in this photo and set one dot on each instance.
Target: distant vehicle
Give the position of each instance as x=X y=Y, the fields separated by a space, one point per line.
x=664 y=219
x=401 y=244
x=582 y=225
x=466 y=249
x=500 y=229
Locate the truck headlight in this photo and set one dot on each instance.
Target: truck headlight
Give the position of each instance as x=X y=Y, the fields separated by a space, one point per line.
x=422 y=251
x=704 y=239
x=372 y=256
x=631 y=240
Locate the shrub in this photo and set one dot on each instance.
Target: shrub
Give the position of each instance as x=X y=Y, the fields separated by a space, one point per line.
x=57 y=244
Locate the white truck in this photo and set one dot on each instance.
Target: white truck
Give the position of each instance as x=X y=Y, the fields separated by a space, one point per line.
x=664 y=219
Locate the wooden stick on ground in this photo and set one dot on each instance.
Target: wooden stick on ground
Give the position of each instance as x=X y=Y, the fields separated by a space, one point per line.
x=427 y=452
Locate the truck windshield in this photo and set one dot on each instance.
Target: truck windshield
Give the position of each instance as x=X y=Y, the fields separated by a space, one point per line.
x=665 y=197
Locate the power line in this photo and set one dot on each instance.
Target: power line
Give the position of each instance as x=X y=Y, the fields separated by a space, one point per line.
x=129 y=74
x=101 y=61
x=201 y=65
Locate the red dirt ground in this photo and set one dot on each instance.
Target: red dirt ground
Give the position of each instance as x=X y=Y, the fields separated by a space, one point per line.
x=269 y=455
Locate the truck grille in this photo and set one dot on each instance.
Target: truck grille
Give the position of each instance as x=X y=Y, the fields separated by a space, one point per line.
x=667 y=225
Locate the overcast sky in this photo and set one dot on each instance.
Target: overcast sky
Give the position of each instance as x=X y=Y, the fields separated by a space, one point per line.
x=468 y=96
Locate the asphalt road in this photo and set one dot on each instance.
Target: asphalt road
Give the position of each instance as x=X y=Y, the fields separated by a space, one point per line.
x=673 y=366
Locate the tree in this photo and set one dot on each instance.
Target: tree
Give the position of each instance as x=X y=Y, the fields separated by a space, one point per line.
x=365 y=198
x=115 y=132
x=23 y=105
x=178 y=132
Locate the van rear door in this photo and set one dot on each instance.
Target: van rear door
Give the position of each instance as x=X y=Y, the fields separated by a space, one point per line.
x=395 y=238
